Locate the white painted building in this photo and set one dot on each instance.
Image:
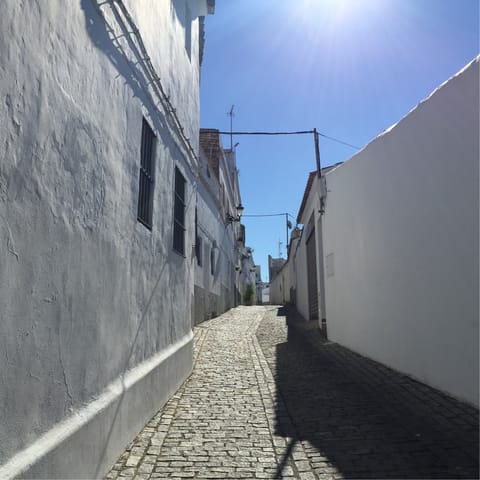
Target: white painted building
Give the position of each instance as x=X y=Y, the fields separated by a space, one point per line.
x=397 y=249
x=266 y=293
x=218 y=229
x=258 y=285
x=97 y=206
x=247 y=275
x=283 y=289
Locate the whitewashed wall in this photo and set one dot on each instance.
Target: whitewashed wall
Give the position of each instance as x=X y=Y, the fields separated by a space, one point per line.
x=291 y=265
x=401 y=243
x=215 y=292
x=276 y=288
x=247 y=273
x=312 y=207
x=95 y=309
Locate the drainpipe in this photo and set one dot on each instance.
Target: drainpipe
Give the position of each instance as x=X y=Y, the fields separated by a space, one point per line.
x=323 y=307
x=321 y=263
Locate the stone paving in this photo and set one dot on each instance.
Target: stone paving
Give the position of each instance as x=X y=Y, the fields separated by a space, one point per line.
x=270 y=398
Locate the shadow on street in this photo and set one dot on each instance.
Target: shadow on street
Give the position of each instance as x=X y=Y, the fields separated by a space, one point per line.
x=358 y=417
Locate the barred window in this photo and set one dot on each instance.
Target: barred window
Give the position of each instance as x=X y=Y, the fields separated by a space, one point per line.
x=198 y=241
x=145 y=191
x=198 y=250
x=179 y=213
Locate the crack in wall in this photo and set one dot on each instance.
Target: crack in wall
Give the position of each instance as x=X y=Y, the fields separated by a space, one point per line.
x=65 y=381
x=10 y=242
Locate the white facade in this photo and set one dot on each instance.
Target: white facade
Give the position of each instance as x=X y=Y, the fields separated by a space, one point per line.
x=96 y=308
x=292 y=284
x=266 y=294
x=283 y=289
x=258 y=285
x=401 y=243
x=247 y=274
x=217 y=253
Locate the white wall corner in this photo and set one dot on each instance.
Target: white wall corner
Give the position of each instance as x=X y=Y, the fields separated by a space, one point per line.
x=200 y=8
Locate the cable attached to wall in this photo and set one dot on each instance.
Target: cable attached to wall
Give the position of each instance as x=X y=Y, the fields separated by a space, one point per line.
x=128 y=26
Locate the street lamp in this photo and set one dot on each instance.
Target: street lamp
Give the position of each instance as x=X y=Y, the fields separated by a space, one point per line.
x=239 y=209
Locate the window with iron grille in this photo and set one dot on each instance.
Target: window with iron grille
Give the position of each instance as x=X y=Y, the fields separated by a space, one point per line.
x=198 y=241
x=179 y=213
x=198 y=251
x=145 y=191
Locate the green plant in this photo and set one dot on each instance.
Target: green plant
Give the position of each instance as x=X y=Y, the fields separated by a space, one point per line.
x=248 y=295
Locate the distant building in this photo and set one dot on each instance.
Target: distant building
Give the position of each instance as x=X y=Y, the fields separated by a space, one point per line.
x=248 y=275
x=258 y=285
x=274 y=266
x=266 y=293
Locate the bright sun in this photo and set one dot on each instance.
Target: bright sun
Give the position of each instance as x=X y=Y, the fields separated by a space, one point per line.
x=341 y=9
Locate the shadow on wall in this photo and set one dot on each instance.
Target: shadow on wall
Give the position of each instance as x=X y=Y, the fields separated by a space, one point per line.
x=106 y=41
x=366 y=420
x=103 y=39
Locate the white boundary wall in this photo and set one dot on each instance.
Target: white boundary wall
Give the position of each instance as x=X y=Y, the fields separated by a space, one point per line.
x=401 y=242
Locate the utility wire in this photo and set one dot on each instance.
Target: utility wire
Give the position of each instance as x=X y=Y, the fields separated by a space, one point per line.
x=338 y=141
x=300 y=132
x=270 y=215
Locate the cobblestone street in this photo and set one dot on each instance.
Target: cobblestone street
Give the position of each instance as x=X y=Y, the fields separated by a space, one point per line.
x=270 y=398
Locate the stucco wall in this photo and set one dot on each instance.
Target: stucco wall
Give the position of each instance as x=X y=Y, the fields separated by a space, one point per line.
x=214 y=292
x=87 y=293
x=164 y=26
x=401 y=243
x=312 y=207
x=247 y=275
x=275 y=291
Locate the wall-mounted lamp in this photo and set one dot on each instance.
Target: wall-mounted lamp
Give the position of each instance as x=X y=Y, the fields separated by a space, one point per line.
x=231 y=218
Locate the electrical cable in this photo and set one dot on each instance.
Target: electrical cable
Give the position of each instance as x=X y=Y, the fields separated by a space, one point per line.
x=270 y=215
x=300 y=132
x=338 y=141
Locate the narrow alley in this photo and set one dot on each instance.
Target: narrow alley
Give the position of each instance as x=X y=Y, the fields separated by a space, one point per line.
x=270 y=398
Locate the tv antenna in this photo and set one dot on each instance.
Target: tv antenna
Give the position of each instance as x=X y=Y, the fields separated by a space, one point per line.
x=231 y=115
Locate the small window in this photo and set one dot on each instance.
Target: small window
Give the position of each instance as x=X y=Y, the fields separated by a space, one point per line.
x=145 y=191
x=179 y=213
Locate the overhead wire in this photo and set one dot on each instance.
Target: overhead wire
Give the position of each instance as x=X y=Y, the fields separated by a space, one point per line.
x=269 y=215
x=299 y=132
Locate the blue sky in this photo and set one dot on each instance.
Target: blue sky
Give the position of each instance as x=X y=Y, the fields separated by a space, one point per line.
x=350 y=68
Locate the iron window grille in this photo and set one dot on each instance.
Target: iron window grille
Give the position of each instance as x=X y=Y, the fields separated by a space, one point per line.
x=212 y=261
x=145 y=191
x=198 y=251
x=198 y=241
x=179 y=213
